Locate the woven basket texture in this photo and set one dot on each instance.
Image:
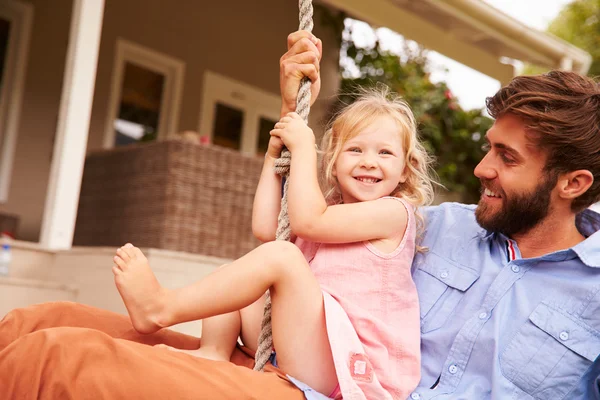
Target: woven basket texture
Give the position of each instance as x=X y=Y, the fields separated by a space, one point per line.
x=172 y=195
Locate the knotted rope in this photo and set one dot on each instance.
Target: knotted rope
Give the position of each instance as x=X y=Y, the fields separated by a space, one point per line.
x=282 y=168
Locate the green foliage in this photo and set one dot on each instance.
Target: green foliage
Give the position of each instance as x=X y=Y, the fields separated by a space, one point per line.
x=579 y=24
x=454 y=136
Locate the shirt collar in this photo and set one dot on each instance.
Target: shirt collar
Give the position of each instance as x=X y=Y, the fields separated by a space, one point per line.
x=588 y=223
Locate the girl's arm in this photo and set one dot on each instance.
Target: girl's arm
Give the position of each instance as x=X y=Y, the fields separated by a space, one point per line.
x=267 y=199
x=312 y=219
x=310 y=216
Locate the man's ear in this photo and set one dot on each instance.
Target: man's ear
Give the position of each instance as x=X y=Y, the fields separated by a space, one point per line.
x=573 y=184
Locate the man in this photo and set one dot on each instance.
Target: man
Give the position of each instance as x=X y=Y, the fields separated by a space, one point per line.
x=509 y=290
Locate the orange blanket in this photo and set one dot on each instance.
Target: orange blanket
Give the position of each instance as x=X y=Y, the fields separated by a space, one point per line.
x=71 y=351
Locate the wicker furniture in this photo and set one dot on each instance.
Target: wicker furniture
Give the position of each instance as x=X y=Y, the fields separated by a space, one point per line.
x=171 y=195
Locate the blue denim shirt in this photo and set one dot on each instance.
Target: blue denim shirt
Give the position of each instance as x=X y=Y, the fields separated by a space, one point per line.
x=496 y=326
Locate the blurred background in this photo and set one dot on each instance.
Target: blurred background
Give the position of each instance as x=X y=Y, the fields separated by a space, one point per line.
x=146 y=121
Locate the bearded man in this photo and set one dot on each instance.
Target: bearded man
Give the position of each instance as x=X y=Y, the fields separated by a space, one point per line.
x=509 y=289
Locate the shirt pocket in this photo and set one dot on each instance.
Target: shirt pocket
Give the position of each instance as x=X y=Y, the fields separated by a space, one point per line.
x=441 y=284
x=550 y=353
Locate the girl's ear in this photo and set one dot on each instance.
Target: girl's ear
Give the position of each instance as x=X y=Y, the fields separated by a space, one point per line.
x=404 y=175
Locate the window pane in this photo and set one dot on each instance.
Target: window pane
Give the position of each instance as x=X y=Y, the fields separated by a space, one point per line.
x=4 y=33
x=227 y=131
x=139 y=110
x=264 y=127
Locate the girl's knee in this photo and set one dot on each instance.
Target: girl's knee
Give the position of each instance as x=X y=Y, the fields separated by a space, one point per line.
x=284 y=247
x=282 y=254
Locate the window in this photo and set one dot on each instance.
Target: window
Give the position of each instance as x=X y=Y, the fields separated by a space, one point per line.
x=145 y=96
x=15 y=30
x=237 y=115
x=227 y=131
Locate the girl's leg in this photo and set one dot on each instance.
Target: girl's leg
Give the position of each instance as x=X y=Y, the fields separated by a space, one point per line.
x=220 y=333
x=251 y=319
x=219 y=337
x=298 y=319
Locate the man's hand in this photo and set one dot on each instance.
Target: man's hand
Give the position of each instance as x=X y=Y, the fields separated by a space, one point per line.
x=302 y=59
x=294 y=133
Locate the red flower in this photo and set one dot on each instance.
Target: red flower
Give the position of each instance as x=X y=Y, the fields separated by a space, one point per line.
x=448 y=94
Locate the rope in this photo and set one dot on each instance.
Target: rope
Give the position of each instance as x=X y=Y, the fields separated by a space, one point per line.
x=282 y=168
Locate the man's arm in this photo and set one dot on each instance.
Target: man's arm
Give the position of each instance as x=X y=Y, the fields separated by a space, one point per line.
x=593 y=387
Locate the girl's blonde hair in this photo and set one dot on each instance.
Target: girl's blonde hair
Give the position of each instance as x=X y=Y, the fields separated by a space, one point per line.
x=372 y=104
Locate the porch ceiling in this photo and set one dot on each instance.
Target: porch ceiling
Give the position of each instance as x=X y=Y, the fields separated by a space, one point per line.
x=470 y=31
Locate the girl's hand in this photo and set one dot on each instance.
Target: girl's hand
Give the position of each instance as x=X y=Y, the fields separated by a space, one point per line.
x=275 y=146
x=294 y=133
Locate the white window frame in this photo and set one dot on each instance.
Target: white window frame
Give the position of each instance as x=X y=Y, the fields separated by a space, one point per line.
x=171 y=68
x=253 y=102
x=20 y=16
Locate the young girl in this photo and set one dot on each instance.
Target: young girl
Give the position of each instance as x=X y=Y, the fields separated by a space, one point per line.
x=345 y=313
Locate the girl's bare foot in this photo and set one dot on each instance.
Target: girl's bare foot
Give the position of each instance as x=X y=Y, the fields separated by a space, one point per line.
x=142 y=294
x=203 y=352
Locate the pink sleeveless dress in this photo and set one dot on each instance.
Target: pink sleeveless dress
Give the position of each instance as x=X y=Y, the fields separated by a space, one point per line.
x=372 y=314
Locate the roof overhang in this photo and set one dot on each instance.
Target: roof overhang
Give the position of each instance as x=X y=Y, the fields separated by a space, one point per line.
x=471 y=32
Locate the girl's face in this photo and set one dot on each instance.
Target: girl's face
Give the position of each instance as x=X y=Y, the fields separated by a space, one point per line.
x=371 y=164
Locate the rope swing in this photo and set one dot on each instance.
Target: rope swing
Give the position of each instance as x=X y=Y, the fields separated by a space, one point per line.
x=282 y=168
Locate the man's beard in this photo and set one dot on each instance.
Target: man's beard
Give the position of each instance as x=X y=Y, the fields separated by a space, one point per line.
x=520 y=212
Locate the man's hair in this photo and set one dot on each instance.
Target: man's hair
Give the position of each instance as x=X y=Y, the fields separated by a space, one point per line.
x=561 y=111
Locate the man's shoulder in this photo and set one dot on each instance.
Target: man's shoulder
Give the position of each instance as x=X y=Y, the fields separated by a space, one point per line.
x=450 y=222
x=449 y=208
x=447 y=214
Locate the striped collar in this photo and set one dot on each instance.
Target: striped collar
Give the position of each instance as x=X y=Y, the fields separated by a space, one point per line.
x=511 y=250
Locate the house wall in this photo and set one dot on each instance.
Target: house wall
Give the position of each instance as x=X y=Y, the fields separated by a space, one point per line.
x=239 y=39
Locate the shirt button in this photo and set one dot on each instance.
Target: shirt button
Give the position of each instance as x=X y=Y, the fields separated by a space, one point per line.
x=444 y=274
x=482 y=315
x=415 y=396
x=515 y=268
x=564 y=335
x=453 y=369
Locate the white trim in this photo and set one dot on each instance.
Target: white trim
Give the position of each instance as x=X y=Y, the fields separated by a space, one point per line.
x=566 y=64
x=254 y=102
x=60 y=210
x=173 y=70
x=21 y=17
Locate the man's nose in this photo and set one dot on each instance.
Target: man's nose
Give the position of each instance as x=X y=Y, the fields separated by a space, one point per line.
x=485 y=169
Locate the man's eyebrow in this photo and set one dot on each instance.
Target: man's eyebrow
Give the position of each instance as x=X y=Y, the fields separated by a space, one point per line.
x=507 y=148
x=504 y=147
